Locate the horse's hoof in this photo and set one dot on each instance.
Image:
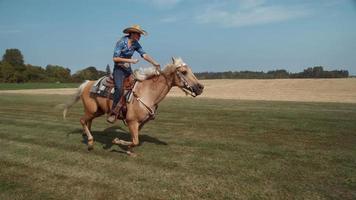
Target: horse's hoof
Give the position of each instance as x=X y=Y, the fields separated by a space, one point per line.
x=116 y=141
x=131 y=154
x=90 y=145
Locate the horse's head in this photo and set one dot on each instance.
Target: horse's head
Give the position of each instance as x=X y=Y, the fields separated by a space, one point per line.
x=185 y=79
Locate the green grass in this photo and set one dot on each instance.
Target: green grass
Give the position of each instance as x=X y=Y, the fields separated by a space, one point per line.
x=195 y=149
x=20 y=86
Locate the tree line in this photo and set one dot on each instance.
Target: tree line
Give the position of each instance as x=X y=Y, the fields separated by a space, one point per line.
x=311 y=72
x=14 y=70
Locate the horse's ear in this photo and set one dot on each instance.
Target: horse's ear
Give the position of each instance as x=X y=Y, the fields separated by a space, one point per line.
x=173 y=60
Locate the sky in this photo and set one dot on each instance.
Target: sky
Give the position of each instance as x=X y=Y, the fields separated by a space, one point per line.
x=210 y=35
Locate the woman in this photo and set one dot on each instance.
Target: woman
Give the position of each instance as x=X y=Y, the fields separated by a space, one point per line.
x=122 y=58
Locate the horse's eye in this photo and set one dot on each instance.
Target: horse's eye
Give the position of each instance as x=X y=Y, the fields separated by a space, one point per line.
x=184 y=73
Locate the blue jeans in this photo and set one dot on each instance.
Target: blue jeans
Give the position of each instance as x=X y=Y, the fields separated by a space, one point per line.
x=119 y=74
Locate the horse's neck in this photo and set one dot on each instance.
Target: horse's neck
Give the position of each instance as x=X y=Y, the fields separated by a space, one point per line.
x=156 y=89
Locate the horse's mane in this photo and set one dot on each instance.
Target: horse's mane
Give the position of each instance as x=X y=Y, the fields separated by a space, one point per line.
x=149 y=72
x=145 y=73
x=171 y=67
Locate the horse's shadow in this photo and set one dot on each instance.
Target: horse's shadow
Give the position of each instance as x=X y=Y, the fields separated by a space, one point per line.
x=106 y=137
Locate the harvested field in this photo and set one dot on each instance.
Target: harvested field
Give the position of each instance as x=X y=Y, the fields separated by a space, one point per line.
x=304 y=90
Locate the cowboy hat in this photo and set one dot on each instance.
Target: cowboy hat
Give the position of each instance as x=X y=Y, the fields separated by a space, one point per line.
x=135 y=29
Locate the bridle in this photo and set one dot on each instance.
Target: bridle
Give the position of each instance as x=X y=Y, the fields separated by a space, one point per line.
x=187 y=88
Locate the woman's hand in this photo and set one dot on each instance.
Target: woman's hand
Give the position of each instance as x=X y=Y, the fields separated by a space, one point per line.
x=157 y=65
x=134 y=61
x=153 y=62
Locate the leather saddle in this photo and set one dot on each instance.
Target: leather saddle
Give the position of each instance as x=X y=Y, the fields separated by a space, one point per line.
x=105 y=87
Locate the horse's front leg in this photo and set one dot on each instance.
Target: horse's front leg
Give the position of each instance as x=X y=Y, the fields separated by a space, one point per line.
x=133 y=127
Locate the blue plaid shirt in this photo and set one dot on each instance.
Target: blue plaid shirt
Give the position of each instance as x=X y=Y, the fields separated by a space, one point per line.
x=123 y=51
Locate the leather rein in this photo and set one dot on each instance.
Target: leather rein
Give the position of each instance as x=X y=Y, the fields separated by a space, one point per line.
x=152 y=111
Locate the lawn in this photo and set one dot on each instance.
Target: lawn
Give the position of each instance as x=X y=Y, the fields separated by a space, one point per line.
x=195 y=149
x=20 y=86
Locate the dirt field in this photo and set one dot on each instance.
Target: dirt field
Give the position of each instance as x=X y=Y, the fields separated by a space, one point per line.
x=307 y=90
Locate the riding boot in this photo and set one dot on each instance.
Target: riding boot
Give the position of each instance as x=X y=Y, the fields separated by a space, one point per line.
x=112 y=117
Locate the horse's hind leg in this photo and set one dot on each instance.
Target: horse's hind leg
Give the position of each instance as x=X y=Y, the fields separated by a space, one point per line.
x=89 y=124
x=86 y=123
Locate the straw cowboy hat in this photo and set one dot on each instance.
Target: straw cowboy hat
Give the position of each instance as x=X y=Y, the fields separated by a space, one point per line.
x=135 y=29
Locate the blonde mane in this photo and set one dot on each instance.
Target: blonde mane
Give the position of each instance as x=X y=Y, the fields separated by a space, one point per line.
x=171 y=67
x=148 y=72
x=145 y=73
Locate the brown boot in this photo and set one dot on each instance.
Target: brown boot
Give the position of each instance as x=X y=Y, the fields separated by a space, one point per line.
x=111 y=118
x=114 y=114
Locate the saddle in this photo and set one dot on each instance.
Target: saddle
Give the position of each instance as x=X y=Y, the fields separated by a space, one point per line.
x=105 y=87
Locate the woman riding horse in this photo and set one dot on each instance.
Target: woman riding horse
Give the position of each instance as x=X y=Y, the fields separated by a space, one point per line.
x=122 y=58
x=148 y=94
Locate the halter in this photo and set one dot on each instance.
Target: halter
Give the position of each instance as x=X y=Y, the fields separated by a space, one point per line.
x=187 y=89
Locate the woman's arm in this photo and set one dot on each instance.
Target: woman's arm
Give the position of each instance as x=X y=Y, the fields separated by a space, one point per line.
x=150 y=60
x=125 y=60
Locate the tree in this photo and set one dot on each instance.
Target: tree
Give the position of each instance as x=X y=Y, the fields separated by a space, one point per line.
x=0 y=71
x=15 y=58
x=35 y=73
x=7 y=72
x=279 y=73
x=58 y=73
x=108 y=71
x=318 y=72
x=89 y=73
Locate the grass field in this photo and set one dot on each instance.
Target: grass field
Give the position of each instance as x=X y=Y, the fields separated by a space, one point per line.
x=195 y=149
x=20 y=86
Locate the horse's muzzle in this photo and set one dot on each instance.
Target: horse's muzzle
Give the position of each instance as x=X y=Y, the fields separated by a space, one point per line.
x=198 y=88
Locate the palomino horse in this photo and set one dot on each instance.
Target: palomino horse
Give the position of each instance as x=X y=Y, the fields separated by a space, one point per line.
x=148 y=94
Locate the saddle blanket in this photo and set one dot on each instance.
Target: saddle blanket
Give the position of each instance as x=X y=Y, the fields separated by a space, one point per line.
x=103 y=87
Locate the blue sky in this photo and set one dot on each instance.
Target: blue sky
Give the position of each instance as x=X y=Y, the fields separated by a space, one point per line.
x=216 y=35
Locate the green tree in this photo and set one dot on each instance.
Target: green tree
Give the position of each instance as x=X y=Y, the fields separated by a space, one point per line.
x=35 y=74
x=318 y=72
x=279 y=73
x=108 y=71
x=89 y=73
x=15 y=58
x=7 y=72
x=58 y=73
x=1 y=72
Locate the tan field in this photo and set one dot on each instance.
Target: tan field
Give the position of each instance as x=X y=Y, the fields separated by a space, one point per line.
x=308 y=90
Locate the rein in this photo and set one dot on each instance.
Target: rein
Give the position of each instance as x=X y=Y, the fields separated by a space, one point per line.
x=185 y=82
x=152 y=111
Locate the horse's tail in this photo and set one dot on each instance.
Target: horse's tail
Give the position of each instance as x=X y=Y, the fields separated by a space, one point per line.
x=74 y=99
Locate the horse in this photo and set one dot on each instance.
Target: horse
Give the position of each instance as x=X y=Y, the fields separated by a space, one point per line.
x=147 y=95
